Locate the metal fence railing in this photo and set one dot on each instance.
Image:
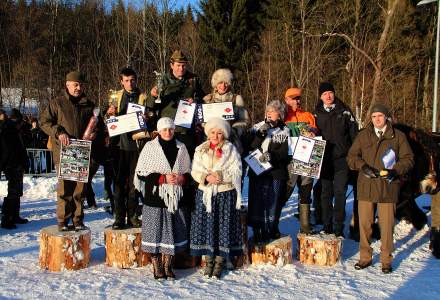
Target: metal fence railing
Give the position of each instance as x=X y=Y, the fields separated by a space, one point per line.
x=40 y=162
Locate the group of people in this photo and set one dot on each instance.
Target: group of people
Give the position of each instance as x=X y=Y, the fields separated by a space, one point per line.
x=190 y=179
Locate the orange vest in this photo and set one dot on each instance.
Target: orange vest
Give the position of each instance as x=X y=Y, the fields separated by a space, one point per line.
x=300 y=116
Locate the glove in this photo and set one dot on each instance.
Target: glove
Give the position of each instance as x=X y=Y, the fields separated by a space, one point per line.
x=262 y=131
x=389 y=174
x=369 y=171
x=265 y=157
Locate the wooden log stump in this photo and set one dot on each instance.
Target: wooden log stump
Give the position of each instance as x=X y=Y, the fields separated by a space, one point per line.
x=318 y=249
x=277 y=252
x=61 y=251
x=123 y=248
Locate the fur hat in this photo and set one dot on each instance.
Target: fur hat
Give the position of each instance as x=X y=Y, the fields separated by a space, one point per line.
x=379 y=107
x=221 y=75
x=293 y=92
x=165 y=123
x=220 y=124
x=76 y=76
x=325 y=87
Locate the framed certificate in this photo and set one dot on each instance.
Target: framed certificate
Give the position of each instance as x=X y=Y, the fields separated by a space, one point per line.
x=222 y=110
x=126 y=123
x=75 y=161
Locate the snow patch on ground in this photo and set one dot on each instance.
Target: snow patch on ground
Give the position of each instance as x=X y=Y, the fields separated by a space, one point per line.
x=416 y=273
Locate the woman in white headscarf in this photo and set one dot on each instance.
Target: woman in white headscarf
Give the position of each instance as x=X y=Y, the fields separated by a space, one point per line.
x=162 y=174
x=215 y=222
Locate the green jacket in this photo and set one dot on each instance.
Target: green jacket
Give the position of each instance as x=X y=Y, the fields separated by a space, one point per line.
x=175 y=90
x=368 y=149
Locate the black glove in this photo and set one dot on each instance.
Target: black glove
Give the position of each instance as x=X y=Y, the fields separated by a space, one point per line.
x=265 y=157
x=389 y=174
x=369 y=171
x=262 y=131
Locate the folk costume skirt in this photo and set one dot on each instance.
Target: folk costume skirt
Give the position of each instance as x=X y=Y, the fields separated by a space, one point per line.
x=162 y=231
x=217 y=233
x=264 y=198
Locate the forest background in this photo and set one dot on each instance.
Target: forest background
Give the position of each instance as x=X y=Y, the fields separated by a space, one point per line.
x=372 y=51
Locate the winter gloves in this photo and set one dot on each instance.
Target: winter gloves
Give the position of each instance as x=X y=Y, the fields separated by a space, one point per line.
x=370 y=172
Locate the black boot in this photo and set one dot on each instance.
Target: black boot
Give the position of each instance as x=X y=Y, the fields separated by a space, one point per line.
x=17 y=218
x=218 y=267
x=209 y=266
x=134 y=222
x=304 y=219
x=158 y=272
x=168 y=264
x=8 y=223
x=258 y=239
x=434 y=245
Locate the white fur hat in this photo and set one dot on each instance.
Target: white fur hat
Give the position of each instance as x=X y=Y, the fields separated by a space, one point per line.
x=164 y=123
x=221 y=75
x=220 y=124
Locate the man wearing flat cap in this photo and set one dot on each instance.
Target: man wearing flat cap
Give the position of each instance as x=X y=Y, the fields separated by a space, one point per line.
x=178 y=84
x=338 y=128
x=381 y=154
x=66 y=117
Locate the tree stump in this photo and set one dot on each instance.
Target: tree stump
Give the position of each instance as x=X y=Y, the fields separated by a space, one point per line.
x=277 y=252
x=123 y=248
x=318 y=249
x=61 y=251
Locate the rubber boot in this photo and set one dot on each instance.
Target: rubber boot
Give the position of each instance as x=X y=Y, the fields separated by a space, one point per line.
x=158 y=271
x=168 y=264
x=218 y=267
x=304 y=219
x=209 y=266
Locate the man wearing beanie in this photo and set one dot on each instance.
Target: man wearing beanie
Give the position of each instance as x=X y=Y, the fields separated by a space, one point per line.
x=125 y=152
x=338 y=128
x=378 y=181
x=299 y=122
x=65 y=118
x=178 y=84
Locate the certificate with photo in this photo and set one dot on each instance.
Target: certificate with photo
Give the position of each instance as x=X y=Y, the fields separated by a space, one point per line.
x=75 y=161
x=126 y=123
x=222 y=110
x=253 y=160
x=185 y=114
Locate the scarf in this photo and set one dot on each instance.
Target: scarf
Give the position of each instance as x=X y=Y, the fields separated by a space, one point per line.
x=153 y=160
x=229 y=164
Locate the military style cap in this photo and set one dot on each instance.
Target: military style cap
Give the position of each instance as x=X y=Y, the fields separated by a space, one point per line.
x=76 y=76
x=179 y=57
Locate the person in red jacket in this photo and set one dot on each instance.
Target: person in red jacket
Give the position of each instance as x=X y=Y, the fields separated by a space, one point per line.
x=300 y=122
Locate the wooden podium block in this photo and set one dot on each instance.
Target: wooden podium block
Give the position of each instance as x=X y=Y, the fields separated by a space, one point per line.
x=277 y=252
x=123 y=248
x=319 y=249
x=59 y=251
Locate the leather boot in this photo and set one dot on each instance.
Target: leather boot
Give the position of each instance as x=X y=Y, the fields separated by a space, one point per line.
x=218 y=267
x=168 y=263
x=304 y=219
x=158 y=272
x=209 y=266
x=17 y=218
x=134 y=222
x=7 y=223
x=435 y=241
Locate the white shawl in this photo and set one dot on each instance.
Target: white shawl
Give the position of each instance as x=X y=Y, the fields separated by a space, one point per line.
x=230 y=166
x=153 y=160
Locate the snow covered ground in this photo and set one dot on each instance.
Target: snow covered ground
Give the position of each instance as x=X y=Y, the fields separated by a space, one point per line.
x=416 y=273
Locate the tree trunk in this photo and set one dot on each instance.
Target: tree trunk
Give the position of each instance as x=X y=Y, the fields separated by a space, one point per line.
x=321 y=250
x=277 y=253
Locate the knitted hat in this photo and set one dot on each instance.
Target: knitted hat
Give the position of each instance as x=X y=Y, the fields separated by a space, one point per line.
x=293 y=93
x=165 y=123
x=179 y=57
x=219 y=124
x=76 y=76
x=325 y=87
x=379 y=107
x=221 y=75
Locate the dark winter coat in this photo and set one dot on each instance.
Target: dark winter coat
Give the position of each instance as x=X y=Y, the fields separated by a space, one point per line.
x=368 y=149
x=337 y=127
x=279 y=158
x=12 y=151
x=70 y=115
